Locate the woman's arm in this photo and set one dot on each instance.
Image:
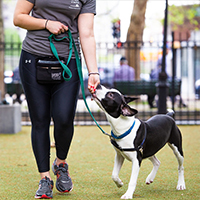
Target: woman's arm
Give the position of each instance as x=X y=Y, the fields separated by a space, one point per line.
x=88 y=45
x=24 y=20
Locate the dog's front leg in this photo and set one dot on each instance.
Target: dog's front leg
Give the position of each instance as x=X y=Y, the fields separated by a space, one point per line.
x=119 y=159
x=156 y=164
x=133 y=180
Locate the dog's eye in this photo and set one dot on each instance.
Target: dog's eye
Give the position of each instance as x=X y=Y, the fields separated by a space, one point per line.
x=110 y=95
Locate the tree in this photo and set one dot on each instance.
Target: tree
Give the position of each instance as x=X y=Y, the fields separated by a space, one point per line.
x=180 y=16
x=2 y=89
x=135 y=34
x=184 y=19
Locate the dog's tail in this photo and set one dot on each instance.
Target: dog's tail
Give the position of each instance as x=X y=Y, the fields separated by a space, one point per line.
x=171 y=113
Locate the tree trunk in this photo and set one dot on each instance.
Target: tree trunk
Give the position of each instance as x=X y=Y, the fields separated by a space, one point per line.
x=135 y=34
x=2 y=87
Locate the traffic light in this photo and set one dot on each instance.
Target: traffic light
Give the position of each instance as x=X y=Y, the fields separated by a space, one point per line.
x=120 y=45
x=116 y=29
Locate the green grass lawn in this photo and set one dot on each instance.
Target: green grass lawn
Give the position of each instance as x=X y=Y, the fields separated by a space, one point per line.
x=90 y=164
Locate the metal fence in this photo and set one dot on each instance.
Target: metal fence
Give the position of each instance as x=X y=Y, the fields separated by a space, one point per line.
x=184 y=61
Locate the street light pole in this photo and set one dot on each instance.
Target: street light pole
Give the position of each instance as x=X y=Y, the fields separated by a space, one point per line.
x=162 y=82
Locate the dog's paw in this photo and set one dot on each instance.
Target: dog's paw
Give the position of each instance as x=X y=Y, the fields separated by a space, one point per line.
x=119 y=184
x=117 y=181
x=149 y=180
x=126 y=196
x=181 y=187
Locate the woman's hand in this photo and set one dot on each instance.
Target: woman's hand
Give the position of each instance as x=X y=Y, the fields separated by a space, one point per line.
x=24 y=20
x=93 y=81
x=55 y=27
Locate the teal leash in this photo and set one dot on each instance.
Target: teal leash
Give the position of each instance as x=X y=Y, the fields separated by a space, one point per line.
x=67 y=71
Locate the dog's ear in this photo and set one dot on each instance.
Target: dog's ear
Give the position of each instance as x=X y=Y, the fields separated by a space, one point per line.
x=126 y=110
x=129 y=99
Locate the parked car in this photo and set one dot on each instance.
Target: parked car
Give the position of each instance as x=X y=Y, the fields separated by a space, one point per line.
x=12 y=76
x=8 y=76
x=13 y=83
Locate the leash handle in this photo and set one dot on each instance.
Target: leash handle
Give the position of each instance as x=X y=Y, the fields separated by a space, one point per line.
x=55 y=53
x=68 y=71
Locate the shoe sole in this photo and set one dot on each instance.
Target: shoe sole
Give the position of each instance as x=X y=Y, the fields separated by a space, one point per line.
x=44 y=196
x=62 y=190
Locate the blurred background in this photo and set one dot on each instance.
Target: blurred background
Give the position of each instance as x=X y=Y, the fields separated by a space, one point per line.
x=132 y=29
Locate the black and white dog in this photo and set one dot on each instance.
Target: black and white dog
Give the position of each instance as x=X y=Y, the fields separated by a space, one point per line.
x=135 y=140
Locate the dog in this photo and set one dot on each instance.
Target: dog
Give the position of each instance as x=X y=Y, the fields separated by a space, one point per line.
x=136 y=140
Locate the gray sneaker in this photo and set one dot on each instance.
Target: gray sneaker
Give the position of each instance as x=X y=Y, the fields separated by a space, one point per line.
x=63 y=182
x=45 y=190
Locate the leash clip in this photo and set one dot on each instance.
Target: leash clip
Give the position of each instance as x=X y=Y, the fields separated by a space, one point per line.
x=141 y=150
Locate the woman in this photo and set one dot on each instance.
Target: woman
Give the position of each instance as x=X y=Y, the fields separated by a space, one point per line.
x=54 y=100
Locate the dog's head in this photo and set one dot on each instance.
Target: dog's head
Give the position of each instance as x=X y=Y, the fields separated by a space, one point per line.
x=113 y=102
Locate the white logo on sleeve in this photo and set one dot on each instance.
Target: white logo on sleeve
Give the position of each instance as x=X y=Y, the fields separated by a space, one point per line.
x=74 y=4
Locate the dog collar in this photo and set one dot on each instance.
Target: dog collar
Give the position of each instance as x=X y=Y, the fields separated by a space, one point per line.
x=138 y=149
x=124 y=134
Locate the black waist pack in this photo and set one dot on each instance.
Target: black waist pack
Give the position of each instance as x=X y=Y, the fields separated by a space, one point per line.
x=49 y=70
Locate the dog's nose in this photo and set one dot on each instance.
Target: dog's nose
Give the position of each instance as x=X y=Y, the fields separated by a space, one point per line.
x=99 y=87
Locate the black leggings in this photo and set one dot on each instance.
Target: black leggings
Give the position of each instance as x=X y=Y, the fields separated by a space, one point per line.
x=45 y=101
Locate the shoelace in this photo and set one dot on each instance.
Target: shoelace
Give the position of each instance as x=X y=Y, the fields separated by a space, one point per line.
x=62 y=171
x=45 y=183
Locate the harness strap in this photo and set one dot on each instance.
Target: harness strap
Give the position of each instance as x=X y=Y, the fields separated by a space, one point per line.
x=138 y=149
x=124 y=134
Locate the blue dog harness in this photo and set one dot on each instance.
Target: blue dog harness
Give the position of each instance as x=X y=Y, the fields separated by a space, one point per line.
x=138 y=149
x=124 y=134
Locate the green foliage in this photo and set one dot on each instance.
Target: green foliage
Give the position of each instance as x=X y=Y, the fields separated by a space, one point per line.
x=184 y=16
x=11 y=35
x=115 y=20
x=12 y=42
x=176 y=15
